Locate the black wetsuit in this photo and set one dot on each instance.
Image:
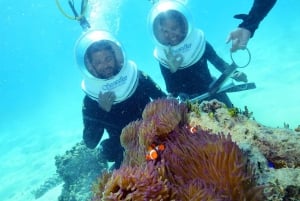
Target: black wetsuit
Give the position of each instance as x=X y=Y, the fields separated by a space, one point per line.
x=257 y=13
x=96 y=120
x=195 y=79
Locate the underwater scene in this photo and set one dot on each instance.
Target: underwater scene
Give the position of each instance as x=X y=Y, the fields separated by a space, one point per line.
x=179 y=149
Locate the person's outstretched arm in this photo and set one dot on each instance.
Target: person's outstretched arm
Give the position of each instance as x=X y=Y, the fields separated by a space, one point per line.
x=251 y=21
x=221 y=65
x=257 y=13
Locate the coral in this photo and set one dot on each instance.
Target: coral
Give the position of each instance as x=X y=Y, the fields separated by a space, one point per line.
x=211 y=106
x=193 y=107
x=281 y=150
x=233 y=112
x=195 y=164
x=273 y=151
x=99 y=186
x=50 y=183
x=164 y=106
x=292 y=193
x=297 y=129
x=180 y=167
x=136 y=183
x=159 y=119
x=214 y=160
x=197 y=190
x=78 y=168
x=132 y=148
x=247 y=113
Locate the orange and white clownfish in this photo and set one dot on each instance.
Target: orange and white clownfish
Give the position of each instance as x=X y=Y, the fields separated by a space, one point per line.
x=192 y=129
x=153 y=151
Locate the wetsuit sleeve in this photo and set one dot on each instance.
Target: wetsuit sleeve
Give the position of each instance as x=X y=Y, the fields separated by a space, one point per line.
x=258 y=12
x=150 y=87
x=93 y=130
x=215 y=59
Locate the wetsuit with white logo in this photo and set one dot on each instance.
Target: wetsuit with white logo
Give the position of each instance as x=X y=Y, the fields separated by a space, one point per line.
x=96 y=120
x=195 y=79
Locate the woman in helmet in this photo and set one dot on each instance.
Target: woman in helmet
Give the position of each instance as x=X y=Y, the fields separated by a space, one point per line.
x=183 y=53
x=116 y=92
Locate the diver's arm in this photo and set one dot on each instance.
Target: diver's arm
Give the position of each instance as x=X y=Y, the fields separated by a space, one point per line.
x=259 y=10
x=150 y=86
x=215 y=59
x=92 y=134
x=223 y=66
x=93 y=130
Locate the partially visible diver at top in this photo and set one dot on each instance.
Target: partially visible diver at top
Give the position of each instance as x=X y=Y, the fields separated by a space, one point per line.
x=245 y=30
x=183 y=55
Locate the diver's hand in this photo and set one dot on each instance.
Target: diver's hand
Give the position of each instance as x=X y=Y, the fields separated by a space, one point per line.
x=239 y=76
x=173 y=61
x=239 y=38
x=170 y=96
x=183 y=97
x=106 y=100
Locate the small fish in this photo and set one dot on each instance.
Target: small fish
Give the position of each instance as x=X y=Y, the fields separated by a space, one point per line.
x=271 y=165
x=153 y=151
x=192 y=129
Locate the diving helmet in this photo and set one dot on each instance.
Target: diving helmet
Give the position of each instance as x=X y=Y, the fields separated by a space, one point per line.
x=118 y=76
x=169 y=9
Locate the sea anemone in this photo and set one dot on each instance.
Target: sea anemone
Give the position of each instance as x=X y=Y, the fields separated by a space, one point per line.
x=160 y=118
x=134 y=154
x=137 y=183
x=193 y=164
x=214 y=160
x=196 y=189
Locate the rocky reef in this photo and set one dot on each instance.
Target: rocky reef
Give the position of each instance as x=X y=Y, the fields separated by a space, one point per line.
x=184 y=151
x=79 y=168
x=274 y=152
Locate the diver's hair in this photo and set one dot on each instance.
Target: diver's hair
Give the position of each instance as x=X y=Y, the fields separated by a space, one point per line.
x=99 y=46
x=177 y=16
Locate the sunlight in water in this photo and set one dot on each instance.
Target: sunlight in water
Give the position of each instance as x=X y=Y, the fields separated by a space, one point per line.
x=105 y=15
x=182 y=1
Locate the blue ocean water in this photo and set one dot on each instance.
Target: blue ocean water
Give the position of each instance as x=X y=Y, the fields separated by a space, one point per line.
x=40 y=82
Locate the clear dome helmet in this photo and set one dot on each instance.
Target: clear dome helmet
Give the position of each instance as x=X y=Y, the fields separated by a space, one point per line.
x=169 y=9
x=121 y=77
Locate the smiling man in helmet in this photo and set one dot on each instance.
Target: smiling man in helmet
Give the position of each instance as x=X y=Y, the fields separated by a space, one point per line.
x=183 y=53
x=116 y=92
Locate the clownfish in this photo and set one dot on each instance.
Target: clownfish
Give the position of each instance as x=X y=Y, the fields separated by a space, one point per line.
x=153 y=151
x=192 y=129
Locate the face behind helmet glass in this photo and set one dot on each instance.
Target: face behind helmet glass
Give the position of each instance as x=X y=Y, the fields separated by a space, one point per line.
x=170 y=27
x=99 y=55
x=102 y=60
x=169 y=23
